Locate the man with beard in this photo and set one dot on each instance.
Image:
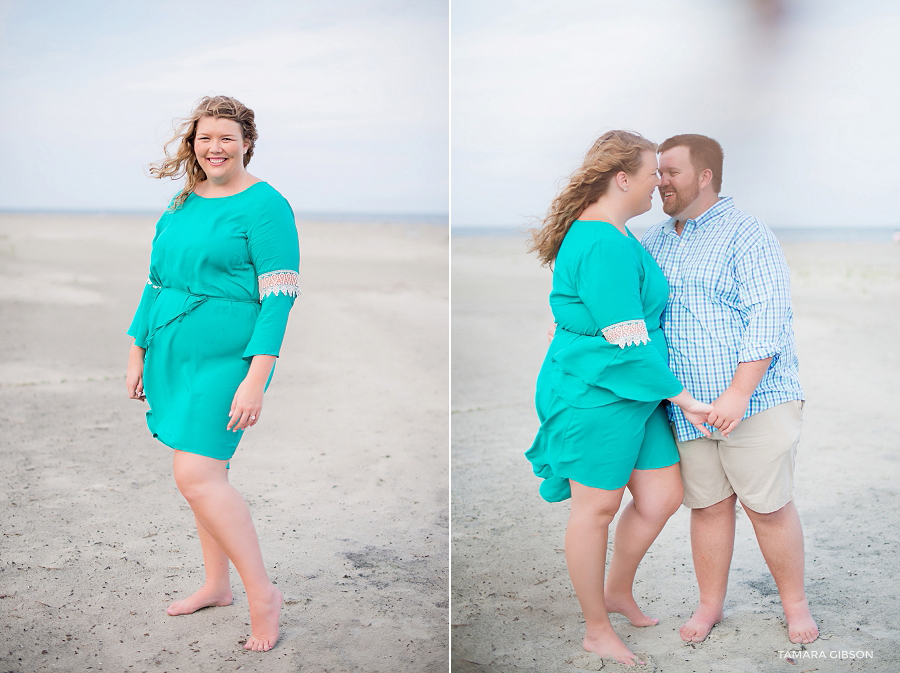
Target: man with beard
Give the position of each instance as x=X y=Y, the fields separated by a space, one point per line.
x=731 y=343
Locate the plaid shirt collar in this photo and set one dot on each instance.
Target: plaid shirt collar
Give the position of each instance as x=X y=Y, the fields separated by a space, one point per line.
x=718 y=209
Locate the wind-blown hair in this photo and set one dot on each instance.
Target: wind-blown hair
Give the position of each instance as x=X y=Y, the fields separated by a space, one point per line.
x=614 y=151
x=184 y=161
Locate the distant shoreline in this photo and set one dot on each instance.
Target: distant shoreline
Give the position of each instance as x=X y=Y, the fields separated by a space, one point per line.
x=784 y=234
x=436 y=219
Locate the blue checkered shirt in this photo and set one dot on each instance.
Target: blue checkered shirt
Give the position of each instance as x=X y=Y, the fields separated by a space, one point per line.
x=729 y=302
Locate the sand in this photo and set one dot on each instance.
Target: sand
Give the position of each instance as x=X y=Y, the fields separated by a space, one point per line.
x=513 y=608
x=346 y=475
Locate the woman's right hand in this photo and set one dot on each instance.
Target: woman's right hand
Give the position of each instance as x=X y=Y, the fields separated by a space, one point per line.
x=694 y=410
x=697 y=414
x=134 y=377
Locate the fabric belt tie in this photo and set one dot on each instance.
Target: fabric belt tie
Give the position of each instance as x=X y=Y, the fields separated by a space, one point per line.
x=198 y=299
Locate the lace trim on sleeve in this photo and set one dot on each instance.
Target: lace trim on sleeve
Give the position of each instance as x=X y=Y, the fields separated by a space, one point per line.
x=150 y=283
x=279 y=282
x=628 y=333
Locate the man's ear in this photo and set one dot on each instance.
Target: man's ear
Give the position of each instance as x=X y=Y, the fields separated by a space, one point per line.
x=705 y=177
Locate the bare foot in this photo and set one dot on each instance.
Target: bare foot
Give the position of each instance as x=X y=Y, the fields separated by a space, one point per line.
x=264 y=622
x=204 y=597
x=626 y=605
x=700 y=624
x=607 y=645
x=801 y=625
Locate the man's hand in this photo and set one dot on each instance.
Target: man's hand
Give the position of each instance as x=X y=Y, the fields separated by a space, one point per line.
x=728 y=410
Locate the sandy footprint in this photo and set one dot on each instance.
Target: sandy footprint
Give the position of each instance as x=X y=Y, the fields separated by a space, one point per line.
x=588 y=661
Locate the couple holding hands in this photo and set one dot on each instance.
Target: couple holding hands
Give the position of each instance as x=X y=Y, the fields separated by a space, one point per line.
x=672 y=371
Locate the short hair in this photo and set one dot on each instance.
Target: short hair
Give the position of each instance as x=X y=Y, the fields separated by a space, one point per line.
x=704 y=152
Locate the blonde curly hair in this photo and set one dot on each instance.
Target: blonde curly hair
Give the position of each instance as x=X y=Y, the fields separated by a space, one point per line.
x=184 y=161
x=612 y=152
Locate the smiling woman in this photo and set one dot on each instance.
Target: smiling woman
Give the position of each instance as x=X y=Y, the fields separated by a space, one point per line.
x=219 y=129
x=223 y=277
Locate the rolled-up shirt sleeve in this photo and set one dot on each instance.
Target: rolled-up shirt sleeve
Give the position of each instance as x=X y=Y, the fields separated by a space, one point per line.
x=764 y=289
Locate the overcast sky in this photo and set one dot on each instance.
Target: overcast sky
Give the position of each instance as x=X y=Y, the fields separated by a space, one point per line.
x=351 y=98
x=807 y=109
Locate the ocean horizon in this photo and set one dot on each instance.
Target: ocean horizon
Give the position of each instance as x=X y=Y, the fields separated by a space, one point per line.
x=437 y=219
x=841 y=234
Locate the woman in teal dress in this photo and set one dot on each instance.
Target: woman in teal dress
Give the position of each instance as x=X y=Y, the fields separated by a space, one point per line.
x=223 y=277
x=601 y=389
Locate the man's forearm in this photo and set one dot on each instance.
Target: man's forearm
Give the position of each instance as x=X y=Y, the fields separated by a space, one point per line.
x=748 y=375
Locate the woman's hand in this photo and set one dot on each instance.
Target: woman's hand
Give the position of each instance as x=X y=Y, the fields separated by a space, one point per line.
x=697 y=414
x=134 y=377
x=246 y=405
x=695 y=411
x=248 y=400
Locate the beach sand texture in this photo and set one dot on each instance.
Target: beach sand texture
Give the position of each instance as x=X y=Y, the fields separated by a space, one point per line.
x=346 y=474
x=513 y=608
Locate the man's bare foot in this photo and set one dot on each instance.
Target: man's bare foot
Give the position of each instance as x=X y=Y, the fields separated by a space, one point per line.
x=801 y=625
x=264 y=621
x=607 y=645
x=204 y=597
x=626 y=605
x=700 y=624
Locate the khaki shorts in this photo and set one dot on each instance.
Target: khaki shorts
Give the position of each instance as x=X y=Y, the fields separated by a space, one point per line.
x=756 y=461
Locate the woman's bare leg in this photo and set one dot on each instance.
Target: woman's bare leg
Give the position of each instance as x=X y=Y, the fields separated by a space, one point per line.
x=216 y=591
x=586 y=535
x=222 y=512
x=657 y=496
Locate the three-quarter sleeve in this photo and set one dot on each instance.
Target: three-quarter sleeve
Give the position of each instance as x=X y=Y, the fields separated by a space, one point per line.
x=608 y=281
x=140 y=323
x=275 y=254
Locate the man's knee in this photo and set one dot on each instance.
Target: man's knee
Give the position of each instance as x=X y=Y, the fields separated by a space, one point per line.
x=724 y=507
x=766 y=515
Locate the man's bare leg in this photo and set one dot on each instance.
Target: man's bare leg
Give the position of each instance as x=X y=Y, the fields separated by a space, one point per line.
x=657 y=496
x=780 y=537
x=592 y=511
x=712 y=545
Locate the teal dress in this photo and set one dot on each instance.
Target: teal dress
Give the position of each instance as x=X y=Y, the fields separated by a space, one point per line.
x=223 y=278
x=600 y=388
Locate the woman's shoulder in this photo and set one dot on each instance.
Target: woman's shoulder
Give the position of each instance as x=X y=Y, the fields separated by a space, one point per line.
x=263 y=202
x=603 y=238
x=266 y=193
